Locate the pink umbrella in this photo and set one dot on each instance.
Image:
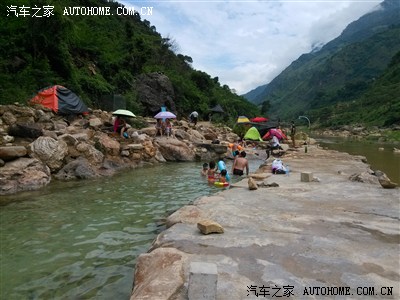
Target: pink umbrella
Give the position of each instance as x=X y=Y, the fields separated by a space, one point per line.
x=165 y=115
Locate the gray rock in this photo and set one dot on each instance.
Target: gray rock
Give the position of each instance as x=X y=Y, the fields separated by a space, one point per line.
x=77 y=169
x=52 y=152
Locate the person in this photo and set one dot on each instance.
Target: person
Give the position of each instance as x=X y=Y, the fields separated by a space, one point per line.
x=211 y=171
x=193 y=117
x=274 y=144
x=236 y=147
x=204 y=171
x=293 y=133
x=222 y=177
x=159 y=127
x=168 y=128
x=240 y=164
x=120 y=126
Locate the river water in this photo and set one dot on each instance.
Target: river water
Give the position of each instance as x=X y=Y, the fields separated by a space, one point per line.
x=80 y=239
x=379 y=156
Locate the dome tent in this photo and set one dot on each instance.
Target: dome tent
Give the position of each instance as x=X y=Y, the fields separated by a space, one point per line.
x=252 y=134
x=61 y=100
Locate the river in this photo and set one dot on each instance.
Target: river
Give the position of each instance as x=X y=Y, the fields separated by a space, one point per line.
x=380 y=156
x=80 y=239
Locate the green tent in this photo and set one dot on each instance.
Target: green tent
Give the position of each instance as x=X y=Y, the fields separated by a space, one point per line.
x=253 y=134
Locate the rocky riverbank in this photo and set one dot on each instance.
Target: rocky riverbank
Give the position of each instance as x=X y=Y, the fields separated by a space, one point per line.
x=337 y=230
x=37 y=146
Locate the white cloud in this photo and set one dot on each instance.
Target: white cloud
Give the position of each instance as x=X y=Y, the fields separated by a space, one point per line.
x=247 y=43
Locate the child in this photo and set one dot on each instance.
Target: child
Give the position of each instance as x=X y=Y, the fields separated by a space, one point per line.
x=204 y=171
x=222 y=177
x=168 y=128
x=211 y=171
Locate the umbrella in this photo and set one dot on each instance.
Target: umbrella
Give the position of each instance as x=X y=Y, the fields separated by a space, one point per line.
x=242 y=119
x=124 y=112
x=259 y=119
x=165 y=115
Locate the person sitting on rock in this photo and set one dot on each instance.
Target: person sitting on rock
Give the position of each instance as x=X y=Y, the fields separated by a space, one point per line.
x=159 y=127
x=120 y=126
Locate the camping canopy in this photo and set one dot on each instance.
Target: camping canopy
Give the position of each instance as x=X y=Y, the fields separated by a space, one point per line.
x=252 y=134
x=217 y=109
x=61 y=100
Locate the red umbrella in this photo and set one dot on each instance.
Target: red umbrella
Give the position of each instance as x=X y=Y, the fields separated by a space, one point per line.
x=259 y=119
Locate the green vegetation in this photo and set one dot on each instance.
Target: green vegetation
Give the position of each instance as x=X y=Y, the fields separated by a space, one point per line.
x=98 y=55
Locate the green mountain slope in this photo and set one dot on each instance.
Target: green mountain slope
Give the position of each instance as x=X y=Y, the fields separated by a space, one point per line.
x=97 y=55
x=341 y=72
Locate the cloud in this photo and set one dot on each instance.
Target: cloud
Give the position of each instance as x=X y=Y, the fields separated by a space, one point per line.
x=248 y=43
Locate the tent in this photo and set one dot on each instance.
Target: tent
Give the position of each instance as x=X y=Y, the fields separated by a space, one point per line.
x=274 y=132
x=61 y=100
x=242 y=119
x=252 y=134
x=217 y=109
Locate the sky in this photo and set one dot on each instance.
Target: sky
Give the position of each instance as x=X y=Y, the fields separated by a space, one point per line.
x=247 y=43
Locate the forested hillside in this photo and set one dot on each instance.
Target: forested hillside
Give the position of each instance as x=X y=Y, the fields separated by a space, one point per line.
x=352 y=79
x=98 y=55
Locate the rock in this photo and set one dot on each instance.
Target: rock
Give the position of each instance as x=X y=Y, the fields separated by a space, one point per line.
x=366 y=177
x=252 y=184
x=188 y=214
x=77 y=169
x=12 y=152
x=95 y=122
x=155 y=90
x=25 y=130
x=263 y=184
x=384 y=181
x=9 y=118
x=150 y=131
x=23 y=174
x=8 y=139
x=94 y=156
x=50 y=151
x=175 y=150
x=209 y=226
x=153 y=274
x=2 y=163
x=107 y=145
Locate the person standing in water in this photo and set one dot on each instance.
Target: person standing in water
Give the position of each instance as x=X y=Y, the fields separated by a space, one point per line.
x=240 y=164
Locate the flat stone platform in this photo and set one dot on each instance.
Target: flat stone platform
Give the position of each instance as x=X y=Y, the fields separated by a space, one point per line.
x=331 y=238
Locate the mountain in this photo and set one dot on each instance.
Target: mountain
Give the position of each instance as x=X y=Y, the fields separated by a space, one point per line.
x=342 y=71
x=97 y=55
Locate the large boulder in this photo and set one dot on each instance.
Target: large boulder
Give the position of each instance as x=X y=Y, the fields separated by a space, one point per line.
x=159 y=274
x=175 y=150
x=155 y=90
x=23 y=174
x=52 y=152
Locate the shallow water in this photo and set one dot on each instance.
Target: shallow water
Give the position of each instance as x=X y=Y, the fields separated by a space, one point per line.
x=80 y=240
x=385 y=160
